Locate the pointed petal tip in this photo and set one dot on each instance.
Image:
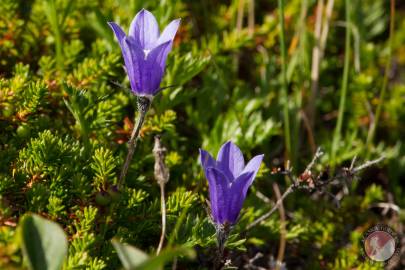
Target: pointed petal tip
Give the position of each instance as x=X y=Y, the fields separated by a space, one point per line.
x=119 y=33
x=164 y=44
x=230 y=142
x=225 y=144
x=144 y=28
x=113 y=24
x=206 y=159
x=261 y=156
x=254 y=164
x=145 y=11
x=169 y=32
x=178 y=21
x=201 y=151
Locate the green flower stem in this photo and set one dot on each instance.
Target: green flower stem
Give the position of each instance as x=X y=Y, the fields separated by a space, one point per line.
x=284 y=97
x=222 y=234
x=52 y=14
x=374 y=123
x=143 y=107
x=84 y=131
x=343 y=94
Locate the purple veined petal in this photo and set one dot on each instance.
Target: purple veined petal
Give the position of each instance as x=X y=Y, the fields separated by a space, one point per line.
x=119 y=33
x=169 y=32
x=238 y=193
x=207 y=161
x=151 y=77
x=144 y=29
x=126 y=54
x=219 y=194
x=158 y=55
x=135 y=63
x=253 y=166
x=153 y=70
x=230 y=160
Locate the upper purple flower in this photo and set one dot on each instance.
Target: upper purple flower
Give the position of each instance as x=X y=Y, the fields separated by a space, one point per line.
x=145 y=51
x=228 y=180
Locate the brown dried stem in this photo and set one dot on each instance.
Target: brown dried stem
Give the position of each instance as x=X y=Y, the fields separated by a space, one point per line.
x=308 y=181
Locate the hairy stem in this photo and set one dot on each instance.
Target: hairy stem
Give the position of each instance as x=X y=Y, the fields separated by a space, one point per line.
x=343 y=94
x=284 y=94
x=222 y=232
x=143 y=107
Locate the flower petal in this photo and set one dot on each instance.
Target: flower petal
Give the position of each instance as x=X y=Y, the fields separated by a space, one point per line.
x=135 y=63
x=207 y=161
x=159 y=54
x=252 y=166
x=238 y=193
x=154 y=70
x=169 y=32
x=230 y=160
x=218 y=189
x=144 y=29
x=119 y=33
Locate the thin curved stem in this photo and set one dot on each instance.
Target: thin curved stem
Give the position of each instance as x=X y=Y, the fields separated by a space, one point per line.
x=163 y=210
x=143 y=107
x=289 y=190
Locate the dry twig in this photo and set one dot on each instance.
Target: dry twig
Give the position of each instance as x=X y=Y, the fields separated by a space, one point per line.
x=162 y=177
x=309 y=181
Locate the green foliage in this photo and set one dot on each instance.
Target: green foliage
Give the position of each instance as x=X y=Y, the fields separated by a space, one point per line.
x=103 y=166
x=65 y=123
x=45 y=153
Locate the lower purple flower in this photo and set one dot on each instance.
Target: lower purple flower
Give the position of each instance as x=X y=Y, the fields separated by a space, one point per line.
x=229 y=180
